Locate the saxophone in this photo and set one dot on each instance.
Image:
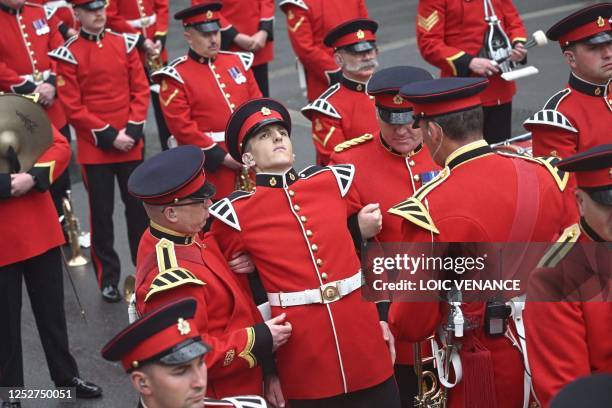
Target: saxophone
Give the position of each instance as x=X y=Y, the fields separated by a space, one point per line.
x=71 y=226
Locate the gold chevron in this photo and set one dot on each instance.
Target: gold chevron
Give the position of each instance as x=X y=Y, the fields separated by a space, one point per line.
x=170 y=98
x=428 y=23
x=297 y=25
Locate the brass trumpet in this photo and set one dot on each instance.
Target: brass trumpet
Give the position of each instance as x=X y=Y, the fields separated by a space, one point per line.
x=244 y=181
x=431 y=393
x=154 y=62
x=71 y=224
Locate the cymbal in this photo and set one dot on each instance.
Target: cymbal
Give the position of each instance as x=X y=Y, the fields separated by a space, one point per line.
x=25 y=127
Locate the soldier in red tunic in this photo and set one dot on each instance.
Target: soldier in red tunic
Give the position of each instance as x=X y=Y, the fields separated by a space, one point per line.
x=575 y=277
x=108 y=117
x=199 y=91
x=149 y=20
x=468 y=203
x=164 y=355
x=451 y=35
x=397 y=156
x=31 y=239
x=345 y=111
x=175 y=260
x=308 y=22
x=25 y=67
x=250 y=27
x=578 y=117
x=315 y=279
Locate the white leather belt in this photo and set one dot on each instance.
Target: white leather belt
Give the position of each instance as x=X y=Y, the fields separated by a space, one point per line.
x=324 y=294
x=38 y=78
x=143 y=22
x=216 y=136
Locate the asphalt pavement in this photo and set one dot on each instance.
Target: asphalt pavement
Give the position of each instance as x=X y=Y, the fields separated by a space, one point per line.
x=397 y=43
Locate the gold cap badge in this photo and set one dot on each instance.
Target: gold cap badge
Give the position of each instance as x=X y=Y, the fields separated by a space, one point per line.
x=398 y=100
x=183 y=327
x=265 y=111
x=360 y=34
x=600 y=21
x=209 y=14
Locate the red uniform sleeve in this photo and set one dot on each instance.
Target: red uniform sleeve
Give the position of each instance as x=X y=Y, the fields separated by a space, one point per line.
x=228 y=239
x=326 y=134
x=512 y=22
x=430 y=39
x=139 y=95
x=254 y=91
x=11 y=82
x=314 y=57
x=70 y=96
x=553 y=367
x=52 y=163
x=552 y=141
x=414 y=321
x=232 y=352
x=177 y=112
x=116 y=21
x=161 y=10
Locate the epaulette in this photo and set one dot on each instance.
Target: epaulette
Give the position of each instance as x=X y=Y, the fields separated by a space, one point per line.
x=170 y=273
x=224 y=210
x=321 y=104
x=298 y=3
x=413 y=208
x=130 y=41
x=561 y=248
x=170 y=71
x=245 y=57
x=550 y=117
x=244 y=401
x=549 y=163
x=344 y=174
x=359 y=140
x=554 y=101
x=63 y=53
x=49 y=11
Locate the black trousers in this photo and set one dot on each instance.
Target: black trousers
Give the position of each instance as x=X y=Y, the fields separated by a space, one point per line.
x=44 y=282
x=162 y=129
x=261 y=76
x=384 y=395
x=407 y=383
x=61 y=184
x=497 y=122
x=100 y=183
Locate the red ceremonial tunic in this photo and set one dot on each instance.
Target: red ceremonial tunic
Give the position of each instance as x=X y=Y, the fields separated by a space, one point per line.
x=59 y=11
x=308 y=22
x=34 y=211
x=450 y=32
x=197 y=97
x=27 y=37
x=146 y=17
x=333 y=115
x=294 y=227
x=384 y=176
x=573 y=120
x=248 y=17
x=468 y=203
x=104 y=89
x=568 y=340
x=225 y=314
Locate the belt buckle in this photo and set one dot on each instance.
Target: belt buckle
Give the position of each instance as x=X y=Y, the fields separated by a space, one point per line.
x=280 y=300
x=330 y=292
x=38 y=77
x=144 y=21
